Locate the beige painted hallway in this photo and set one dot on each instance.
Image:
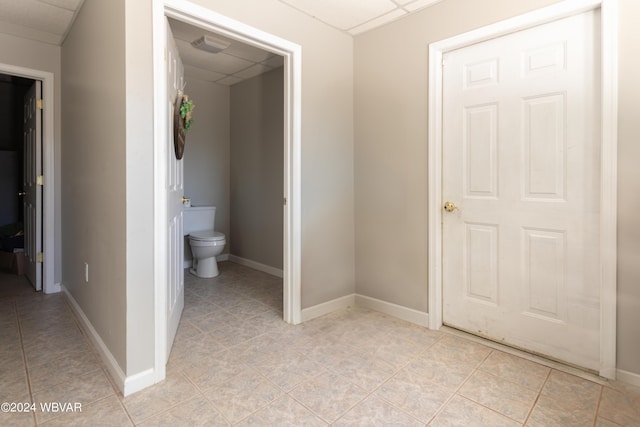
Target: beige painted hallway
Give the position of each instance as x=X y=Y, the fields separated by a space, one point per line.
x=236 y=363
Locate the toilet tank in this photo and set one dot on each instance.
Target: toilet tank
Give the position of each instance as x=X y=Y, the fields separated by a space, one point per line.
x=198 y=218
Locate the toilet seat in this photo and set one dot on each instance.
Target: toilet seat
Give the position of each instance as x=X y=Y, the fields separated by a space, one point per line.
x=206 y=236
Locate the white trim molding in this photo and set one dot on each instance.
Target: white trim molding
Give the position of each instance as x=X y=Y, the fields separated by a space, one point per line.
x=256 y=265
x=328 y=307
x=609 y=176
x=207 y=19
x=410 y=315
x=628 y=377
x=48 y=170
x=126 y=385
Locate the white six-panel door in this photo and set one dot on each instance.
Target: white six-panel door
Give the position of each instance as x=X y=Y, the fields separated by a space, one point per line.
x=521 y=162
x=175 y=192
x=32 y=191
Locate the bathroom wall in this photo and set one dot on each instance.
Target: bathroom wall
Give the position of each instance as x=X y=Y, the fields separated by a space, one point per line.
x=257 y=163
x=391 y=176
x=206 y=155
x=327 y=222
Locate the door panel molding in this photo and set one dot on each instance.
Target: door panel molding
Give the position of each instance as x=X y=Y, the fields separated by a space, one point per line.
x=608 y=180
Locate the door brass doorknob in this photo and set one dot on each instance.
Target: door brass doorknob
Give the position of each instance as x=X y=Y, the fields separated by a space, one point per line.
x=449 y=207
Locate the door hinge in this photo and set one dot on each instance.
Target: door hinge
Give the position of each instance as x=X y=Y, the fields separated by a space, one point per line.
x=39 y=104
x=40 y=180
x=40 y=257
x=284 y=201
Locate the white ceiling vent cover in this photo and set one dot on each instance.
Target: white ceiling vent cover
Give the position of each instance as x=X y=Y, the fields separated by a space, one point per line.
x=210 y=44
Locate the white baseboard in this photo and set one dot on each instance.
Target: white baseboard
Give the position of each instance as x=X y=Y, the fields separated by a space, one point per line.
x=126 y=385
x=628 y=377
x=255 y=265
x=410 y=315
x=53 y=289
x=187 y=263
x=328 y=307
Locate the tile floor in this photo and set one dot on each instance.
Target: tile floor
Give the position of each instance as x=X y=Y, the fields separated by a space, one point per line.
x=235 y=362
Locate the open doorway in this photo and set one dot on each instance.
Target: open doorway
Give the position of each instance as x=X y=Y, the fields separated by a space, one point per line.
x=21 y=179
x=213 y=22
x=47 y=176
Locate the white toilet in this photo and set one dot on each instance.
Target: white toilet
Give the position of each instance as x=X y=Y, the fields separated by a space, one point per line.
x=205 y=243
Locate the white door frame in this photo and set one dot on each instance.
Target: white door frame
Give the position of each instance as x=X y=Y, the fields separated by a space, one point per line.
x=609 y=175
x=205 y=18
x=48 y=140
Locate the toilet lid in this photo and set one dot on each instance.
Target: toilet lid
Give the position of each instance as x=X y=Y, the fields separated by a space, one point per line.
x=208 y=235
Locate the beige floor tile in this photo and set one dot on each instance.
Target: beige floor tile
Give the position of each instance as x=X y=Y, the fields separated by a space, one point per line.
x=153 y=400
x=620 y=408
x=328 y=395
x=17 y=419
x=242 y=395
x=15 y=387
x=463 y=412
x=366 y=371
x=215 y=370
x=375 y=412
x=233 y=346
x=106 y=412
x=515 y=369
x=284 y=412
x=290 y=370
x=197 y=412
x=566 y=400
x=415 y=396
x=554 y=411
x=505 y=397
x=61 y=368
x=440 y=371
x=84 y=389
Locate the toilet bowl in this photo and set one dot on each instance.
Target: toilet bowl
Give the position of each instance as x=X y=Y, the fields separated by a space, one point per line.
x=205 y=246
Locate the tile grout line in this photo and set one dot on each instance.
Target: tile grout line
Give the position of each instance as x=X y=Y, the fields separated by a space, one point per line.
x=455 y=392
x=24 y=361
x=595 y=418
x=526 y=420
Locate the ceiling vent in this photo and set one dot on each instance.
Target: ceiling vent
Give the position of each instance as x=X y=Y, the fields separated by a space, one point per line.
x=210 y=44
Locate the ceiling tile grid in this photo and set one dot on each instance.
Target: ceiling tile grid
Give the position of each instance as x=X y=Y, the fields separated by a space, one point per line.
x=44 y=20
x=234 y=64
x=358 y=16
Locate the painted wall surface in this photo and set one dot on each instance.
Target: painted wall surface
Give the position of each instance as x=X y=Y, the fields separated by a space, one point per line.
x=628 y=189
x=391 y=176
x=207 y=151
x=257 y=164
x=139 y=205
x=94 y=216
x=327 y=142
x=35 y=55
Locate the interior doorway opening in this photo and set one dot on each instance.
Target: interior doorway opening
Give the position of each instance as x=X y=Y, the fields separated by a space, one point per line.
x=214 y=22
x=43 y=255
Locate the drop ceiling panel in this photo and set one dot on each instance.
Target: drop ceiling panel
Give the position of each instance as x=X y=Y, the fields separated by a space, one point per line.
x=200 y=74
x=71 y=5
x=36 y=15
x=384 y=19
x=219 y=62
x=343 y=14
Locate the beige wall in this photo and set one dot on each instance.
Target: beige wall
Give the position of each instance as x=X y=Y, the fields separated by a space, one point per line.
x=629 y=190
x=39 y=56
x=391 y=104
x=206 y=155
x=257 y=163
x=327 y=142
x=93 y=169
